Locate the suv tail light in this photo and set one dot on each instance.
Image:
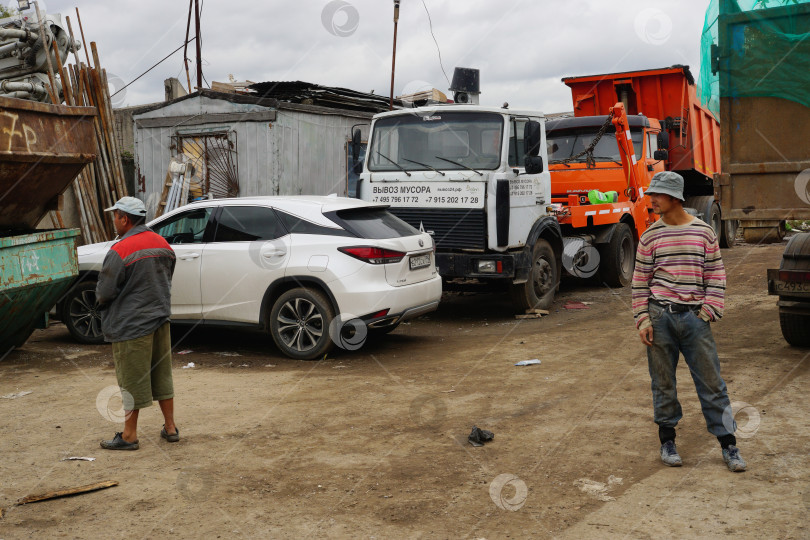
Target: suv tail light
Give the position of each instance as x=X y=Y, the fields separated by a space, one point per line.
x=373 y=255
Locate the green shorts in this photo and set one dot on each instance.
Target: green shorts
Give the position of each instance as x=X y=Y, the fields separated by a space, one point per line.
x=143 y=367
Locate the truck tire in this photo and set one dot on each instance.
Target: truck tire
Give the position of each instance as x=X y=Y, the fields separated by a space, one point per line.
x=709 y=209
x=795 y=328
x=617 y=258
x=729 y=237
x=538 y=291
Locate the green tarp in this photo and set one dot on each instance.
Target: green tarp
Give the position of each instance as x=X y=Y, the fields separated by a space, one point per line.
x=755 y=48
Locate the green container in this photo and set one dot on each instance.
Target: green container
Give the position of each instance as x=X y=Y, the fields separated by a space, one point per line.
x=36 y=269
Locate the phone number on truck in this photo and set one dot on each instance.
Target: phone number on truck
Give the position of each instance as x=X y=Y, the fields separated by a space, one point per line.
x=426 y=200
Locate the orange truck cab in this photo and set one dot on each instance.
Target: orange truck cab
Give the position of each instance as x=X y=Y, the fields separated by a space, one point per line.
x=646 y=122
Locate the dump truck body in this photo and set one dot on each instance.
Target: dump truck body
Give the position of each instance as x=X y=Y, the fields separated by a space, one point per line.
x=42 y=149
x=765 y=118
x=668 y=95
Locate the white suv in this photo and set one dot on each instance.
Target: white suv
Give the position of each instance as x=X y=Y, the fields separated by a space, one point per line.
x=314 y=271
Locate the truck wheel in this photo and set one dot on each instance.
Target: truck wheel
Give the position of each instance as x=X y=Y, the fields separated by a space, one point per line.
x=538 y=291
x=729 y=237
x=80 y=313
x=299 y=323
x=795 y=328
x=617 y=258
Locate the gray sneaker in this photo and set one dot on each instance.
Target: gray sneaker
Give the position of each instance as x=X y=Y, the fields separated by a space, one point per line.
x=733 y=459
x=669 y=455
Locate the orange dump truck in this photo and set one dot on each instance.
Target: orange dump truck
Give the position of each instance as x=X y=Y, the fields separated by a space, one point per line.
x=669 y=130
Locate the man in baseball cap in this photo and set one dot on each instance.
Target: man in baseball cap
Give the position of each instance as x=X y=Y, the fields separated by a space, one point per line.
x=678 y=288
x=129 y=205
x=134 y=293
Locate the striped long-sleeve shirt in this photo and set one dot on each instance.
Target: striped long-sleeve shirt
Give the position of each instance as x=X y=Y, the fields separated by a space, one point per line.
x=679 y=264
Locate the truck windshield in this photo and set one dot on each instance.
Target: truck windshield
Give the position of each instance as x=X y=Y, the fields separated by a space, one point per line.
x=563 y=144
x=441 y=140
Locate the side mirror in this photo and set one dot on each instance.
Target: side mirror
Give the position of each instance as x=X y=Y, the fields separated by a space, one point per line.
x=531 y=138
x=533 y=164
x=663 y=140
x=661 y=155
x=357 y=139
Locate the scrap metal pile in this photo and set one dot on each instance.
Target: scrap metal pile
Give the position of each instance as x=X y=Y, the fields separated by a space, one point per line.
x=33 y=66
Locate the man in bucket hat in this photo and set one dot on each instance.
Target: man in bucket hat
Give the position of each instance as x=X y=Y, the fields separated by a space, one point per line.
x=134 y=293
x=678 y=289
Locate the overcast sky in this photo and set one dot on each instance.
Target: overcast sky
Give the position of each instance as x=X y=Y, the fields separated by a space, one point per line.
x=522 y=47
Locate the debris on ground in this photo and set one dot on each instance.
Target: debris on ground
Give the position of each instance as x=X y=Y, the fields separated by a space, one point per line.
x=529 y=316
x=78 y=458
x=598 y=490
x=189 y=365
x=269 y=365
x=66 y=492
x=227 y=353
x=576 y=305
x=187 y=351
x=532 y=362
x=17 y=394
x=479 y=436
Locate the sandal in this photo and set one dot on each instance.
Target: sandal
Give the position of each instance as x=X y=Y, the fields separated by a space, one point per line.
x=118 y=443
x=174 y=437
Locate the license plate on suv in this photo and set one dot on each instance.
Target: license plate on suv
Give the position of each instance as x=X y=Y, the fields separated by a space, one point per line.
x=419 y=261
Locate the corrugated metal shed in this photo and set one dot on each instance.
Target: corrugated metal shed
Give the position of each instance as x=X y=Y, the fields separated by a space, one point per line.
x=279 y=148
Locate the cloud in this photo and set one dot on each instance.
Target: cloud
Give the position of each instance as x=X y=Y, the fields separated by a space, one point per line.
x=523 y=47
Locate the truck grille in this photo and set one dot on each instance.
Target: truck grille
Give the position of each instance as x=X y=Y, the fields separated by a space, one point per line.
x=452 y=228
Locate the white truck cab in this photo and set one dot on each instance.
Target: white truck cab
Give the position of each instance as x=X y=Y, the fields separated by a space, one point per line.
x=476 y=178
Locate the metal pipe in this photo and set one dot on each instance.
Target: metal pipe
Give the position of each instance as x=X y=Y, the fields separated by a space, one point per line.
x=9 y=48
x=199 y=52
x=394 y=55
x=21 y=95
x=65 y=86
x=79 y=89
x=9 y=86
x=185 y=46
x=54 y=95
x=81 y=31
x=10 y=33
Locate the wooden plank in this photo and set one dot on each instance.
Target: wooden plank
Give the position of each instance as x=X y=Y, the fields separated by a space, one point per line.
x=66 y=492
x=201 y=119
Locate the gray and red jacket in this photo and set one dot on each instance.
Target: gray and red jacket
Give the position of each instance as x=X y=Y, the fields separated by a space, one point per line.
x=134 y=286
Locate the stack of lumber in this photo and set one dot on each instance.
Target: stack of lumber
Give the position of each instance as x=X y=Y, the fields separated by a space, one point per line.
x=100 y=183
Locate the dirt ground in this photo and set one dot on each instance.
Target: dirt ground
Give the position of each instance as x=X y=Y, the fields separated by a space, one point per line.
x=372 y=443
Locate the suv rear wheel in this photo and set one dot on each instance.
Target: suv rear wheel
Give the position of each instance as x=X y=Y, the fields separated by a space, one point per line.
x=81 y=315
x=299 y=323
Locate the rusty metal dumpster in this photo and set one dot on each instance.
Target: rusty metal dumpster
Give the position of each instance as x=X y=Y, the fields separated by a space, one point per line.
x=42 y=149
x=35 y=270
